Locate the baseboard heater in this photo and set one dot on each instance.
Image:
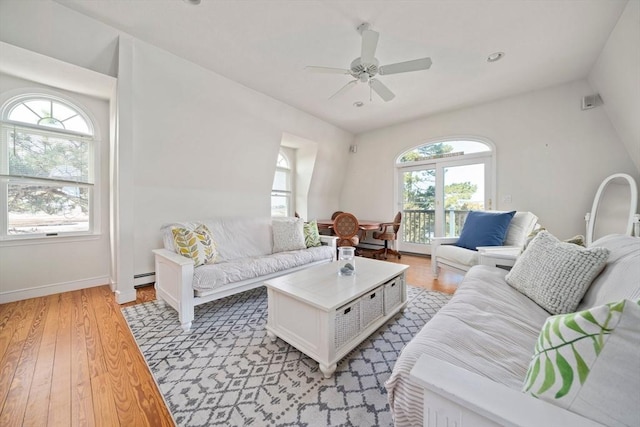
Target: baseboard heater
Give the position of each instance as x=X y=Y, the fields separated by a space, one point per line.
x=144 y=279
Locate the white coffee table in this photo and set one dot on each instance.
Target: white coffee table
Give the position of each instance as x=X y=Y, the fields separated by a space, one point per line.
x=325 y=315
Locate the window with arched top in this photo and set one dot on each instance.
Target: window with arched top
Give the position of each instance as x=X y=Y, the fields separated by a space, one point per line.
x=282 y=189
x=438 y=184
x=46 y=167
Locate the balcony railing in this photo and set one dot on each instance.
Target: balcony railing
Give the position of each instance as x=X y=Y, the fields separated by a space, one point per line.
x=418 y=226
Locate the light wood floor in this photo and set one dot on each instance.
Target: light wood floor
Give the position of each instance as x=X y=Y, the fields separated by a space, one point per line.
x=69 y=359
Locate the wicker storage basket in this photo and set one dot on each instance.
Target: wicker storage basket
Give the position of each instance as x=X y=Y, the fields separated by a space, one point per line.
x=371 y=307
x=347 y=323
x=392 y=295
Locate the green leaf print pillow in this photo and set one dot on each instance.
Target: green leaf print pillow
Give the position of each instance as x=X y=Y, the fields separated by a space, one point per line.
x=589 y=362
x=311 y=234
x=195 y=244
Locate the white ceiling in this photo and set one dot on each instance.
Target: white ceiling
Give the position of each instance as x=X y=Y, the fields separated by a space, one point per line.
x=265 y=44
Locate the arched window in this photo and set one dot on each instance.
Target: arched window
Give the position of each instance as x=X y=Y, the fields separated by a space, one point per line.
x=282 y=189
x=46 y=167
x=439 y=182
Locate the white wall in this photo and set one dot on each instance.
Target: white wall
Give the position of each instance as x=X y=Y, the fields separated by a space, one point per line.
x=202 y=145
x=616 y=76
x=206 y=146
x=40 y=267
x=551 y=156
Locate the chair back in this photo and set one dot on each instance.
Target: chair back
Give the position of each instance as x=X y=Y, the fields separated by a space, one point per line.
x=335 y=214
x=345 y=225
x=396 y=222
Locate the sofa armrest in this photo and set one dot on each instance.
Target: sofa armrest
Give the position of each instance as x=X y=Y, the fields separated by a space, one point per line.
x=500 y=249
x=173 y=257
x=331 y=241
x=437 y=241
x=174 y=283
x=459 y=397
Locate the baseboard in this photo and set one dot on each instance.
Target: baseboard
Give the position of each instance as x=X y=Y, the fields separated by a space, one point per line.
x=54 y=288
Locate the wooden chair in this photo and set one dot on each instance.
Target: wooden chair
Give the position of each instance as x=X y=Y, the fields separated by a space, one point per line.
x=335 y=214
x=329 y=230
x=388 y=232
x=346 y=227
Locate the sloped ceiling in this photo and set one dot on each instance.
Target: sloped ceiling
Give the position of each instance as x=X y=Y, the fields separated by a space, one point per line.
x=265 y=45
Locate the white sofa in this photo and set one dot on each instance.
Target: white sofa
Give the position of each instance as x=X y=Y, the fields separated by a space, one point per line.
x=467 y=366
x=444 y=252
x=245 y=259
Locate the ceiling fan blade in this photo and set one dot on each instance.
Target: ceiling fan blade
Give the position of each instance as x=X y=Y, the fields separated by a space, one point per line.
x=369 y=44
x=403 y=67
x=344 y=89
x=326 y=70
x=383 y=91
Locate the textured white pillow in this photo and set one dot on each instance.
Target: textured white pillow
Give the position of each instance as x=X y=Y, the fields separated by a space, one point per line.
x=288 y=235
x=587 y=362
x=555 y=274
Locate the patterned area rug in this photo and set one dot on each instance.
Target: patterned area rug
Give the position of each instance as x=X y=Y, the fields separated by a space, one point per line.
x=226 y=371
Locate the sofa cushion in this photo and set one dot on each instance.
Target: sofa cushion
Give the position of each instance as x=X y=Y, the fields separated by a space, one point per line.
x=288 y=235
x=488 y=328
x=235 y=237
x=484 y=229
x=556 y=274
x=195 y=244
x=520 y=227
x=619 y=279
x=580 y=357
x=212 y=276
x=311 y=234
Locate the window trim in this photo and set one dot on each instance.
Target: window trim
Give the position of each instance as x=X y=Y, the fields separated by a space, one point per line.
x=438 y=163
x=289 y=171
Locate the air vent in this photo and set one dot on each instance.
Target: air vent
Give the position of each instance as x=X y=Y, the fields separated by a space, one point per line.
x=591 y=101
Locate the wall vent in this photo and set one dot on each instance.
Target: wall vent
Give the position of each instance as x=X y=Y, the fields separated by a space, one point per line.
x=591 y=101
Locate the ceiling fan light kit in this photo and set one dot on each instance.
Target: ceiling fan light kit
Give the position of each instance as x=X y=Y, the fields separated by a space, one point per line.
x=364 y=68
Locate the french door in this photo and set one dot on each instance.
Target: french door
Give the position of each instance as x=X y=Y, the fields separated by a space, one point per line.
x=434 y=198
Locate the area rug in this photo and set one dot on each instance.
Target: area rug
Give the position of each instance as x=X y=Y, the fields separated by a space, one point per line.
x=226 y=371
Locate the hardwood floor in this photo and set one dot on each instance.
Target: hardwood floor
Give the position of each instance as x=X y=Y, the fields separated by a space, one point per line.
x=69 y=359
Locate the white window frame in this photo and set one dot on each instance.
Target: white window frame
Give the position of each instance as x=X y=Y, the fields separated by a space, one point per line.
x=289 y=174
x=90 y=138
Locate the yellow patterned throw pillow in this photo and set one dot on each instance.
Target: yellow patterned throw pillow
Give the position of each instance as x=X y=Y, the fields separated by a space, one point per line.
x=195 y=244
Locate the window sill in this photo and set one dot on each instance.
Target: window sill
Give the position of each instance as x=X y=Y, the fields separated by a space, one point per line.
x=25 y=241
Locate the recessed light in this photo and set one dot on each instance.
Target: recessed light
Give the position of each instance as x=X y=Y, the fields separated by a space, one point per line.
x=192 y=2
x=496 y=56
x=358 y=104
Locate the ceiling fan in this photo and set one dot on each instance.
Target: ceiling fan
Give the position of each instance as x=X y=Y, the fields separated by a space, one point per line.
x=365 y=68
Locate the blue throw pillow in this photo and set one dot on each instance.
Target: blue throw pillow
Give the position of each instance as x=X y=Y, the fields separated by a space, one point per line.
x=484 y=229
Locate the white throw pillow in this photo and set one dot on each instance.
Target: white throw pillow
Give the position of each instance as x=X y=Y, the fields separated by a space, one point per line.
x=520 y=227
x=288 y=235
x=556 y=274
x=588 y=362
